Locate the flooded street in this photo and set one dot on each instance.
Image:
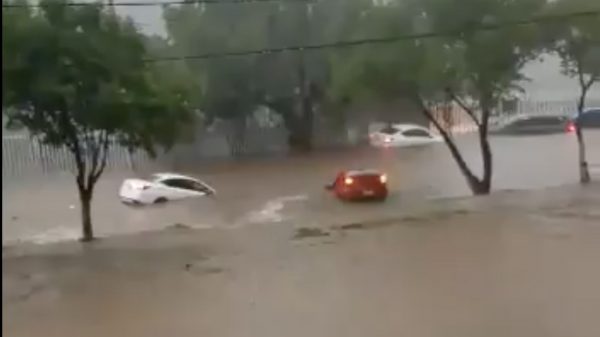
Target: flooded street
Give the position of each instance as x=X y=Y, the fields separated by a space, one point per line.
x=201 y=168
x=278 y=190
x=511 y=265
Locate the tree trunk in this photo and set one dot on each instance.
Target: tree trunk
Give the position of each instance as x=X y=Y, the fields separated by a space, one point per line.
x=307 y=124
x=485 y=185
x=85 y=196
x=299 y=125
x=584 y=172
x=477 y=186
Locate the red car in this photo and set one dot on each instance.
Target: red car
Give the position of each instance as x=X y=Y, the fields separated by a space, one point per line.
x=360 y=185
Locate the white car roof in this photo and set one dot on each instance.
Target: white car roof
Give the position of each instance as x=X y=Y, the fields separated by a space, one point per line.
x=404 y=127
x=354 y=173
x=167 y=175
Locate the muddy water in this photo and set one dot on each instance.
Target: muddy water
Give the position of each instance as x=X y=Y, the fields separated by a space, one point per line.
x=276 y=190
x=530 y=272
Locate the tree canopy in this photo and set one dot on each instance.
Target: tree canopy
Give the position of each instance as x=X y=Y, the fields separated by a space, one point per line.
x=78 y=76
x=470 y=68
x=292 y=84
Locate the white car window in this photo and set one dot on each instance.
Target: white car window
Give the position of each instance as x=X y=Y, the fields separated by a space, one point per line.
x=199 y=187
x=177 y=183
x=416 y=133
x=187 y=184
x=389 y=130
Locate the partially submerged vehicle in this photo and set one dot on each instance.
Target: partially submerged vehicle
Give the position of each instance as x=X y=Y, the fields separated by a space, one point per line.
x=360 y=185
x=163 y=187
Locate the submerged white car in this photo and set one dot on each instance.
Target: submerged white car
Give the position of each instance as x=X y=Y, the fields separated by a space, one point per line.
x=403 y=135
x=163 y=187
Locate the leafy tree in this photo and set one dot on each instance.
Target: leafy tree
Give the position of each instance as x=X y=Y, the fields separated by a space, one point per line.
x=76 y=76
x=228 y=85
x=471 y=69
x=577 y=42
x=290 y=83
x=297 y=82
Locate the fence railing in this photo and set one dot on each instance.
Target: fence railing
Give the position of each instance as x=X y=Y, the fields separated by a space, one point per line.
x=455 y=120
x=23 y=155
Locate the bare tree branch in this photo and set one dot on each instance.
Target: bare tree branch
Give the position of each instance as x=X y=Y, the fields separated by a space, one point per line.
x=580 y=73
x=105 y=142
x=463 y=105
x=593 y=78
x=74 y=144
x=94 y=147
x=448 y=139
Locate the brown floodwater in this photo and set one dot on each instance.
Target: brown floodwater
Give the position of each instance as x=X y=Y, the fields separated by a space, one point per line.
x=287 y=189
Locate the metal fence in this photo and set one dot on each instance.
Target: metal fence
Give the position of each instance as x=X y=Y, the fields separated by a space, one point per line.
x=455 y=120
x=22 y=155
x=26 y=156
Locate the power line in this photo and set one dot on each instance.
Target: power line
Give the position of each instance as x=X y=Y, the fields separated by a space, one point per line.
x=359 y=42
x=149 y=3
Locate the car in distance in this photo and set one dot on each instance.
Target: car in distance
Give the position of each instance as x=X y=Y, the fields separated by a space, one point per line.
x=162 y=187
x=355 y=185
x=403 y=135
x=589 y=119
x=534 y=125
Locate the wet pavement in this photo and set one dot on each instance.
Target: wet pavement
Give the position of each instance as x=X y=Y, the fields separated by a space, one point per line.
x=511 y=265
x=288 y=190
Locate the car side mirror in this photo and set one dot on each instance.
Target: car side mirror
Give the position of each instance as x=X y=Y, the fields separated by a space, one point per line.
x=329 y=187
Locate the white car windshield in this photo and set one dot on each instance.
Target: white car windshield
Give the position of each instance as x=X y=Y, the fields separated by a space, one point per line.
x=416 y=133
x=389 y=130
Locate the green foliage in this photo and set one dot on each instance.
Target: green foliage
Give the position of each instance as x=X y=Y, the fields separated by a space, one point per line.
x=464 y=65
x=577 y=42
x=473 y=63
x=76 y=76
x=72 y=71
x=234 y=87
x=228 y=85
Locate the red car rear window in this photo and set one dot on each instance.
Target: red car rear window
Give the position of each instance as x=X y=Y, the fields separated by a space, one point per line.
x=367 y=178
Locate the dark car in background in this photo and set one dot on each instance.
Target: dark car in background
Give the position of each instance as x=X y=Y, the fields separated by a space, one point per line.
x=534 y=125
x=589 y=119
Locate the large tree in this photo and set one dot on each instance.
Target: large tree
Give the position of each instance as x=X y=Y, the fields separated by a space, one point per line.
x=77 y=76
x=294 y=83
x=577 y=42
x=465 y=66
x=228 y=85
x=291 y=83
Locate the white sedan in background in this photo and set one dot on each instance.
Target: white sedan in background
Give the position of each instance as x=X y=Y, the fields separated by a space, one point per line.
x=403 y=135
x=163 y=187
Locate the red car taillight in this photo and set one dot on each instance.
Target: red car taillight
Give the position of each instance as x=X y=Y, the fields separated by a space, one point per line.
x=348 y=181
x=383 y=178
x=571 y=127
